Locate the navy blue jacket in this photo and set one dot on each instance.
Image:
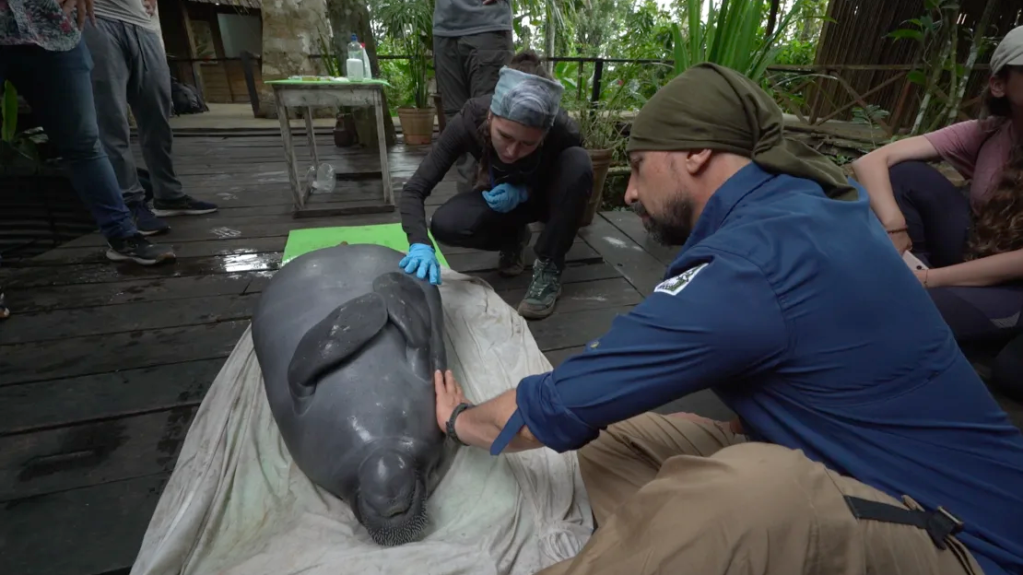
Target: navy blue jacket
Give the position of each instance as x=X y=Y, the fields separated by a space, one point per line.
x=796 y=311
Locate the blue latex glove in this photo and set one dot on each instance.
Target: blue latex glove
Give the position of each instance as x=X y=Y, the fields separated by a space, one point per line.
x=504 y=197
x=422 y=260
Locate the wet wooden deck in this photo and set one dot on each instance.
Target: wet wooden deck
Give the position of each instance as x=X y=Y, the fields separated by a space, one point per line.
x=103 y=365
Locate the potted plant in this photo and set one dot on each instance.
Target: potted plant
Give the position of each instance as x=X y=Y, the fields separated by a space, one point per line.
x=601 y=127
x=409 y=25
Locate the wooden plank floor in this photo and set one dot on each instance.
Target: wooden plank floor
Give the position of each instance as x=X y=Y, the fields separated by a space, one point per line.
x=103 y=365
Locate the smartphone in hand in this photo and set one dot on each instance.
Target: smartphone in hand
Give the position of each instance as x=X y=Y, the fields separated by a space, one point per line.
x=912 y=261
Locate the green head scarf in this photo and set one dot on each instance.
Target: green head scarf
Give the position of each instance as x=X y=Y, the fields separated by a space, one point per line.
x=713 y=107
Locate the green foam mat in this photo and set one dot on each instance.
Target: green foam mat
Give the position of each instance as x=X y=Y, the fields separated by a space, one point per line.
x=328 y=81
x=389 y=235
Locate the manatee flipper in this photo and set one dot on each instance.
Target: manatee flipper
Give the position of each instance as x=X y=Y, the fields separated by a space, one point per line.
x=406 y=307
x=415 y=308
x=438 y=354
x=334 y=339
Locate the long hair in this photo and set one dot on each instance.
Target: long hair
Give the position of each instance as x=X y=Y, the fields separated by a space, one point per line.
x=527 y=61
x=998 y=221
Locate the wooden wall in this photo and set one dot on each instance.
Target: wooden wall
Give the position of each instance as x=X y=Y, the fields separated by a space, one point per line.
x=858 y=35
x=223 y=80
x=195 y=51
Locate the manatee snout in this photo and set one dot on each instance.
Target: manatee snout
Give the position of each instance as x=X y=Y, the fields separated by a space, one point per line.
x=392 y=498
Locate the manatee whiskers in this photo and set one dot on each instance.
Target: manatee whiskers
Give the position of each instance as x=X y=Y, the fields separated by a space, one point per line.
x=389 y=528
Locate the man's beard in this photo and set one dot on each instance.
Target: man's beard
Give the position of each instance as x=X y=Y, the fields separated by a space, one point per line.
x=674 y=226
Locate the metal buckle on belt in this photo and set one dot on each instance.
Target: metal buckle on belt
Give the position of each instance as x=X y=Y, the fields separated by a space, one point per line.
x=950 y=524
x=938 y=523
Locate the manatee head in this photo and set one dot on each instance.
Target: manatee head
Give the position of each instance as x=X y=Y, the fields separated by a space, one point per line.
x=391 y=501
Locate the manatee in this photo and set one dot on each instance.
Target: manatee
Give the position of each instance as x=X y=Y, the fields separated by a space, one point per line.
x=348 y=344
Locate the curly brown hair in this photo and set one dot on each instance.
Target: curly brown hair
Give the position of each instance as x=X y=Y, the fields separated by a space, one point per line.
x=998 y=221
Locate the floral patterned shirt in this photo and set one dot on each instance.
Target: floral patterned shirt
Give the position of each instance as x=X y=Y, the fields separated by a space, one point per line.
x=38 y=22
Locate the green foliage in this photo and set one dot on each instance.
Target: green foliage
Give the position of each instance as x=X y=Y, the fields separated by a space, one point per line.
x=732 y=36
x=408 y=25
x=14 y=145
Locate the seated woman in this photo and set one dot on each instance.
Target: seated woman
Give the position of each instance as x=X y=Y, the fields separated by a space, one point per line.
x=970 y=241
x=532 y=167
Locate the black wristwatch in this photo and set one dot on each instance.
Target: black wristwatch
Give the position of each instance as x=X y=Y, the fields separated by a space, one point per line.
x=451 y=423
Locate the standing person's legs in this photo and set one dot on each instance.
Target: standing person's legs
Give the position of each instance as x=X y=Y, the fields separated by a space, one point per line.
x=149 y=94
x=467 y=67
x=58 y=85
x=680 y=497
x=112 y=71
x=485 y=55
x=482 y=55
x=452 y=82
x=569 y=189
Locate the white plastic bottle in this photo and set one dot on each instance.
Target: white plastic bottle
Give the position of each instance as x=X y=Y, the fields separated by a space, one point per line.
x=354 y=66
x=367 y=71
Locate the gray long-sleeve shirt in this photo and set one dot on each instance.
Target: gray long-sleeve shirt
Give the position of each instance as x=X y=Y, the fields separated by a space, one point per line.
x=462 y=136
x=129 y=11
x=466 y=17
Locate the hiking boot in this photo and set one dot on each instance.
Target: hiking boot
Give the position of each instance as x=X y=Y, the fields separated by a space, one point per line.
x=543 y=291
x=138 y=249
x=184 y=206
x=512 y=262
x=146 y=221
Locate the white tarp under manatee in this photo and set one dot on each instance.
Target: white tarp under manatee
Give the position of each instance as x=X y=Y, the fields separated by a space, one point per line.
x=237 y=504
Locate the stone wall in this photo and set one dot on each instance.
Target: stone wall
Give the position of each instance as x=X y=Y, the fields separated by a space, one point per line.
x=290 y=32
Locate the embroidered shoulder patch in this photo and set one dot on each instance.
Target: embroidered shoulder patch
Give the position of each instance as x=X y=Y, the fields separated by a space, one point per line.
x=672 y=286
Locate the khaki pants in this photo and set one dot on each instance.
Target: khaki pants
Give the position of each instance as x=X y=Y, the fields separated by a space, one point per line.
x=687 y=495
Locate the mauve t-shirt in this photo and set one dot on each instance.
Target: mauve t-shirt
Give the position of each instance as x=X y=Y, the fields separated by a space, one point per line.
x=977 y=149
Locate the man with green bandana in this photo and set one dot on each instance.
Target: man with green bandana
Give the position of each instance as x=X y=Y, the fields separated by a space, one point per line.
x=865 y=442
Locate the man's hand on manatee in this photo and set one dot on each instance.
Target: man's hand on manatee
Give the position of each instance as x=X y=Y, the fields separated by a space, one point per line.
x=422 y=261
x=449 y=395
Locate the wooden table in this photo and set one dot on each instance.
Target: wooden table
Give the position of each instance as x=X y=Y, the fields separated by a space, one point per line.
x=310 y=94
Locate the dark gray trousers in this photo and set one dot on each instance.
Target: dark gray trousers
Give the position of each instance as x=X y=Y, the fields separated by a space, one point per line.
x=131 y=70
x=467 y=67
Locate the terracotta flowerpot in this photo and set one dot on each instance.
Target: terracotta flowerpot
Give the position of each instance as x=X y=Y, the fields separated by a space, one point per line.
x=417 y=125
x=601 y=160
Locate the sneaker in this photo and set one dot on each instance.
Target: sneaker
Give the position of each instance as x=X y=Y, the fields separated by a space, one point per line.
x=146 y=221
x=511 y=262
x=543 y=291
x=185 y=206
x=4 y=311
x=138 y=249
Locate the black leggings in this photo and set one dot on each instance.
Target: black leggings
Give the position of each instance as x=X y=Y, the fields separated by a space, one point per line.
x=938 y=217
x=467 y=221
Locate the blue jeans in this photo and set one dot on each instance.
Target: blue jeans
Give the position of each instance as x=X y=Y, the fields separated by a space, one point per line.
x=58 y=86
